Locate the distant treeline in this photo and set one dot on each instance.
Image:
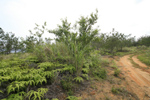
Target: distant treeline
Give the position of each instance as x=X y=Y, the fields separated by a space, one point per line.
x=9 y=43
x=113 y=41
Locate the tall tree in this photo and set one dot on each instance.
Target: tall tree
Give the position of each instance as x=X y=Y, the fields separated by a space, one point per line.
x=22 y=44
x=2 y=46
x=16 y=44
x=9 y=37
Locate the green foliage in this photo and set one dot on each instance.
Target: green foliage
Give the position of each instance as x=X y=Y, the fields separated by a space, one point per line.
x=145 y=57
x=53 y=53
x=67 y=83
x=119 y=91
x=1 y=91
x=86 y=76
x=46 y=65
x=78 y=79
x=144 y=40
x=70 y=92
x=115 y=90
x=21 y=77
x=101 y=73
x=34 y=95
x=8 y=42
x=73 y=98
x=116 y=72
x=18 y=96
x=111 y=43
x=105 y=62
x=71 y=55
x=95 y=59
x=39 y=52
x=85 y=70
x=77 y=41
x=55 y=99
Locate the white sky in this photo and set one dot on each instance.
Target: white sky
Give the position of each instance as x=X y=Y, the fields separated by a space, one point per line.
x=126 y=16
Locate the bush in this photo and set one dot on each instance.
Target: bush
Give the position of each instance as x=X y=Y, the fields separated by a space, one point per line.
x=40 y=53
x=67 y=82
x=100 y=72
x=142 y=47
x=115 y=90
x=116 y=72
x=66 y=85
x=52 y=52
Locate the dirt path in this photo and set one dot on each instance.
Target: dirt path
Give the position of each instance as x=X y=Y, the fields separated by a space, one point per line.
x=138 y=62
x=138 y=80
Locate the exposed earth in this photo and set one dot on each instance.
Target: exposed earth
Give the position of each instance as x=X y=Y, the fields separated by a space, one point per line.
x=133 y=82
x=137 y=78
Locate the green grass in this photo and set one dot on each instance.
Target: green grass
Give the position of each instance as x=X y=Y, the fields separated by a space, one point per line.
x=145 y=59
x=145 y=56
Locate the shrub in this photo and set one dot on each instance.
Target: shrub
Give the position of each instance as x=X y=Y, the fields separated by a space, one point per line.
x=66 y=85
x=40 y=53
x=100 y=72
x=116 y=72
x=115 y=90
x=67 y=82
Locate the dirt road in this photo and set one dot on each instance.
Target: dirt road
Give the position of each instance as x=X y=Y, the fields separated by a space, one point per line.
x=138 y=80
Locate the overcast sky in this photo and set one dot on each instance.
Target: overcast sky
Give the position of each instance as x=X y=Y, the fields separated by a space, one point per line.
x=126 y=16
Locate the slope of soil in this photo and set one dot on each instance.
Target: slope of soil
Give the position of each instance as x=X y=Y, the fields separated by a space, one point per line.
x=102 y=89
x=138 y=80
x=138 y=62
x=134 y=83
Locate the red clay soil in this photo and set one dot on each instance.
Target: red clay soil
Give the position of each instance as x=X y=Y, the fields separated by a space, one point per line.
x=138 y=80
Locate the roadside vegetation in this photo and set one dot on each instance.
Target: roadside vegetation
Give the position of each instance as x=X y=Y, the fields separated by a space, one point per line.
x=41 y=70
x=145 y=57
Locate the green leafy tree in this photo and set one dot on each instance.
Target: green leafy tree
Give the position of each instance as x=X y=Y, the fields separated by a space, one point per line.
x=2 y=47
x=38 y=32
x=144 y=40
x=112 y=41
x=8 y=42
x=123 y=40
x=8 y=39
x=30 y=43
x=77 y=38
x=21 y=45
x=15 y=44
